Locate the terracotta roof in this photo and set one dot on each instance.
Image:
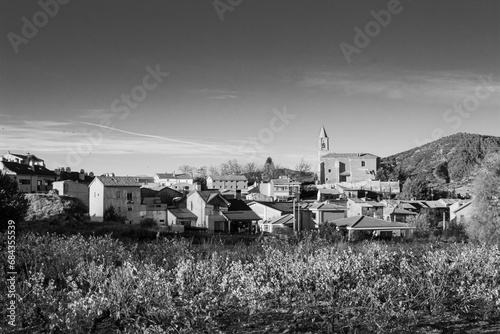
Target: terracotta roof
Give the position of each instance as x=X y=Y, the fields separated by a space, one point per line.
x=22 y=169
x=350 y=155
x=228 y=177
x=327 y=207
x=366 y=223
x=287 y=220
x=329 y=191
x=119 y=181
x=183 y=213
x=435 y=204
x=284 y=182
x=174 y=176
x=241 y=215
x=462 y=207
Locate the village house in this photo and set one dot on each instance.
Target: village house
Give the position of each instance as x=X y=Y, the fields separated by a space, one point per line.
x=29 y=171
x=121 y=192
x=74 y=184
x=166 y=179
x=374 y=226
x=207 y=206
x=461 y=212
x=282 y=189
x=229 y=182
x=323 y=212
x=269 y=210
x=279 y=223
x=152 y=207
x=397 y=214
x=360 y=207
x=179 y=218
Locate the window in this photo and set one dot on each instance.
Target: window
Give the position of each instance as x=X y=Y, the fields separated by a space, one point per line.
x=24 y=182
x=362 y=164
x=129 y=196
x=117 y=194
x=191 y=206
x=329 y=170
x=129 y=209
x=327 y=179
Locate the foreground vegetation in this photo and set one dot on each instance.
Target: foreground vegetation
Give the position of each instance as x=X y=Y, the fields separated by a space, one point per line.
x=73 y=284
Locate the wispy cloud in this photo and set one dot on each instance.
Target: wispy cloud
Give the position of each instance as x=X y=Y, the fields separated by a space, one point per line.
x=438 y=86
x=64 y=137
x=220 y=94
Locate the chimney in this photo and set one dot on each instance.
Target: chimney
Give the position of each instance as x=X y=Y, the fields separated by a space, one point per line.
x=173 y=173
x=185 y=190
x=238 y=194
x=81 y=176
x=197 y=186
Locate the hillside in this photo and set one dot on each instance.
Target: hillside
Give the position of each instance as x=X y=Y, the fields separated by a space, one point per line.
x=447 y=162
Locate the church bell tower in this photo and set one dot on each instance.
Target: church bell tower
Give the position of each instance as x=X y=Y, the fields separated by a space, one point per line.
x=323 y=148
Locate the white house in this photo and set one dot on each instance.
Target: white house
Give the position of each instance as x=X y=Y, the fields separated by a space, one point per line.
x=121 y=192
x=166 y=179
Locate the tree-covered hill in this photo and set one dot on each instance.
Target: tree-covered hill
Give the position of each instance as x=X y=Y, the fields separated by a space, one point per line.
x=454 y=159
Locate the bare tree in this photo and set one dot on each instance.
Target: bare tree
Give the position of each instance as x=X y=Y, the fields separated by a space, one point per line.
x=185 y=169
x=303 y=167
x=232 y=167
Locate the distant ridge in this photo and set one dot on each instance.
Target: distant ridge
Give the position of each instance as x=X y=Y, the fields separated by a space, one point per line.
x=449 y=160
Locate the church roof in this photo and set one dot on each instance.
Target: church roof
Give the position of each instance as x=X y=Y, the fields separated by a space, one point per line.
x=322 y=133
x=350 y=155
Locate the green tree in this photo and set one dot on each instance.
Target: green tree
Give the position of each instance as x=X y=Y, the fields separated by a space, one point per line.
x=485 y=226
x=441 y=172
x=13 y=203
x=415 y=187
x=268 y=170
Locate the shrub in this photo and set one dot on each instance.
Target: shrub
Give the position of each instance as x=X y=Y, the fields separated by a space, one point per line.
x=13 y=203
x=110 y=215
x=148 y=223
x=422 y=225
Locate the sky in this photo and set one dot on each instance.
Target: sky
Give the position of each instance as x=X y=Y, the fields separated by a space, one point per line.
x=142 y=87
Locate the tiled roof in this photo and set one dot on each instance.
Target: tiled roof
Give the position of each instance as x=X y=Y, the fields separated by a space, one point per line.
x=228 y=177
x=287 y=220
x=462 y=207
x=366 y=222
x=241 y=215
x=183 y=213
x=448 y=201
x=284 y=182
x=400 y=211
x=22 y=169
x=119 y=181
x=74 y=176
x=435 y=204
x=329 y=191
x=174 y=176
x=350 y=155
x=238 y=205
x=327 y=207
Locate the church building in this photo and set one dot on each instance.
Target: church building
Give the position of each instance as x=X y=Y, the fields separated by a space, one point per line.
x=344 y=167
